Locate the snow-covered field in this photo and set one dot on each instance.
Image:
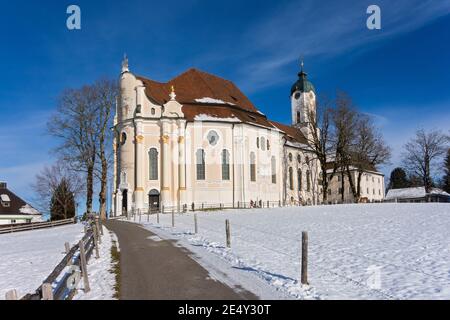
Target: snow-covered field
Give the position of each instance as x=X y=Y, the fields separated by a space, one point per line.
x=371 y=251
x=27 y=258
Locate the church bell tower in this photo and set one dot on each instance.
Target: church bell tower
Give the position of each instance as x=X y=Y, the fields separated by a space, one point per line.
x=303 y=100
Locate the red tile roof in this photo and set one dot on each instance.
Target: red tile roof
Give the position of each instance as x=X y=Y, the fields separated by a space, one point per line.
x=195 y=84
x=293 y=134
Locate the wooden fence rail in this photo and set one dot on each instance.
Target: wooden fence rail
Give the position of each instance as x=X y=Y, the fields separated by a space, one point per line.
x=35 y=225
x=60 y=284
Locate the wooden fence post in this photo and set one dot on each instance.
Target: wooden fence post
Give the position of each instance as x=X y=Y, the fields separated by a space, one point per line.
x=11 y=295
x=99 y=239
x=100 y=224
x=83 y=264
x=96 y=242
x=47 y=291
x=228 y=234
x=173 y=218
x=304 y=276
x=195 y=224
x=67 y=247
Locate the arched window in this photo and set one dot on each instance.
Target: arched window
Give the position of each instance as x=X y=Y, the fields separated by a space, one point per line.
x=291 y=179
x=200 y=161
x=299 y=158
x=274 y=169
x=153 y=164
x=268 y=144
x=123 y=138
x=252 y=167
x=298 y=116
x=299 y=179
x=257 y=142
x=153 y=111
x=290 y=156
x=307 y=160
x=263 y=144
x=308 y=181
x=225 y=165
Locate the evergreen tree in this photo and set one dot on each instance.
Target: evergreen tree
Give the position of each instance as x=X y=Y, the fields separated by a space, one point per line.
x=398 y=179
x=446 y=178
x=62 y=205
x=415 y=181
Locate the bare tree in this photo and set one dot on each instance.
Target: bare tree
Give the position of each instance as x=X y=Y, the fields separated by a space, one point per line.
x=422 y=152
x=106 y=92
x=319 y=140
x=48 y=181
x=345 y=118
x=368 y=151
x=74 y=122
x=83 y=120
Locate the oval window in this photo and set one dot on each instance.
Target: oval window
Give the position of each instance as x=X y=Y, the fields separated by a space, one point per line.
x=213 y=137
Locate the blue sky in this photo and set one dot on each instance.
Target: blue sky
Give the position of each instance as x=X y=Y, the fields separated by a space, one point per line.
x=399 y=74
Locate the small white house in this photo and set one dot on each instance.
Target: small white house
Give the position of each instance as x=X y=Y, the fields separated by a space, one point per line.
x=417 y=194
x=14 y=210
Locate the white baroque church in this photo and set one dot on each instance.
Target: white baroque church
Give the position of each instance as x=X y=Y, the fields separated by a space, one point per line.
x=198 y=140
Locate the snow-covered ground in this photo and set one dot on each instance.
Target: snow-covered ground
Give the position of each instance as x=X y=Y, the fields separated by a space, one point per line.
x=101 y=277
x=27 y=258
x=366 y=251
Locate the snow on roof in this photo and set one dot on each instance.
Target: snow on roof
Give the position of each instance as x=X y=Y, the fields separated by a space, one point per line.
x=27 y=209
x=296 y=144
x=206 y=117
x=212 y=100
x=5 y=198
x=417 y=192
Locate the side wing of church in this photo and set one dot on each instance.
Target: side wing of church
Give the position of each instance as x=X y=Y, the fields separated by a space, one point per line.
x=198 y=140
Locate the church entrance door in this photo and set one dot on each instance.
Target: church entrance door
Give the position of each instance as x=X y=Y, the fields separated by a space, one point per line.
x=124 y=202
x=153 y=200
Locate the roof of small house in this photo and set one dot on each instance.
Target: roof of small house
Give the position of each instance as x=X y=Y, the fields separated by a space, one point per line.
x=15 y=205
x=207 y=97
x=411 y=193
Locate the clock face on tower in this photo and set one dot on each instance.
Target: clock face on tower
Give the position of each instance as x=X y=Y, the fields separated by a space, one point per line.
x=297 y=95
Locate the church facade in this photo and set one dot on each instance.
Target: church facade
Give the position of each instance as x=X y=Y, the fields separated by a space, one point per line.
x=198 y=140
